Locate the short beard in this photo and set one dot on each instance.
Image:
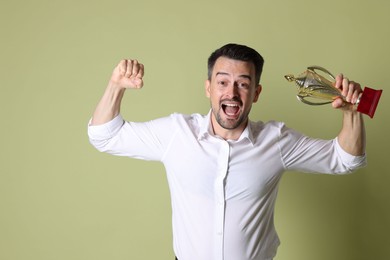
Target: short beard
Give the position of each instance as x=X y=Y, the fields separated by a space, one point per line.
x=228 y=126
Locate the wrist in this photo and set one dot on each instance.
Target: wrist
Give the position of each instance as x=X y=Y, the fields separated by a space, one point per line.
x=115 y=87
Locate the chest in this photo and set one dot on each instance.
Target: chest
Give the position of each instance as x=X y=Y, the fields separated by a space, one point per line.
x=239 y=169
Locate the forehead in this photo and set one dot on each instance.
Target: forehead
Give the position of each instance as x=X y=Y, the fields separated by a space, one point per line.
x=233 y=67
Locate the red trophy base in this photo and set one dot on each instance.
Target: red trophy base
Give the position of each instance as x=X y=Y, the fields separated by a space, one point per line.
x=369 y=101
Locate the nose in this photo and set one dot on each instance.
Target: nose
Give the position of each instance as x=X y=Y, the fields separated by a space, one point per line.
x=232 y=90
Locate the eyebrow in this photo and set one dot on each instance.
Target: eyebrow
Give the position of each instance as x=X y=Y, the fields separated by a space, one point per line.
x=241 y=76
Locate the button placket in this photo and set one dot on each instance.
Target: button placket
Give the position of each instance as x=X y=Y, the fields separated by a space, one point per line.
x=223 y=165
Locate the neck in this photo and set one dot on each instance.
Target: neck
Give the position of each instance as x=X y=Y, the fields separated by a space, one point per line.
x=227 y=134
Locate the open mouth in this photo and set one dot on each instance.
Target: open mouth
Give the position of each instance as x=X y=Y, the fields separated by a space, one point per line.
x=231 y=109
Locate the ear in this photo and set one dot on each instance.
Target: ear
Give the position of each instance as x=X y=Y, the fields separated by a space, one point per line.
x=207 y=85
x=257 y=93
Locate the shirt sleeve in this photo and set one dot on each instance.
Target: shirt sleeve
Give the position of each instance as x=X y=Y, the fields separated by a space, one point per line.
x=140 y=140
x=302 y=153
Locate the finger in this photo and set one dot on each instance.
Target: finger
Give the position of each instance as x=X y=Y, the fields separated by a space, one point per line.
x=135 y=68
x=129 y=68
x=351 y=91
x=339 y=81
x=140 y=76
x=345 y=87
x=356 y=92
x=141 y=71
x=122 y=67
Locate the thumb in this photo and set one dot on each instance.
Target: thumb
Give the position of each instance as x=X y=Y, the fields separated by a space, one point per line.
x=138 y=82
x=338 y=103
x=343 y=105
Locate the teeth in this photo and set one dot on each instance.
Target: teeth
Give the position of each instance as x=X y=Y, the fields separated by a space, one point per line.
x=231 y=105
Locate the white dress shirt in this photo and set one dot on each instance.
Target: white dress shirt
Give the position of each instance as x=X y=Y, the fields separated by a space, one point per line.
x=223 y=192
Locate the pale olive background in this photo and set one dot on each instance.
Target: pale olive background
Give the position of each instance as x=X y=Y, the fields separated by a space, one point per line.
x=61 y=199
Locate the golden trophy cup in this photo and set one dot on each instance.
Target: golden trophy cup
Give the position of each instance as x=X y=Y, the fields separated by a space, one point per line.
x=316 y=87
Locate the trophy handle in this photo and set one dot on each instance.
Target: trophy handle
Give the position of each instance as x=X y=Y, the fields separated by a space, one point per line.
x=303 y=100
x=330 y=75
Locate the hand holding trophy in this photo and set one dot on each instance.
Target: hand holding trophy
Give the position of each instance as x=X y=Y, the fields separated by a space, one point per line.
x=316 y=89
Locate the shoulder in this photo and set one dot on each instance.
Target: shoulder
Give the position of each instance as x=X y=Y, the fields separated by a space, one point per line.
x=188 y=116
x=191 y=119
x=258 y=127
x=191 y=124
x=275 y=130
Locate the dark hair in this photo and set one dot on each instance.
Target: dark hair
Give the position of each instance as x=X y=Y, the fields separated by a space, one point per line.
x=237 y=52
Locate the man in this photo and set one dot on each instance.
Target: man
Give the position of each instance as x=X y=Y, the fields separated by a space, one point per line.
x=224 y=170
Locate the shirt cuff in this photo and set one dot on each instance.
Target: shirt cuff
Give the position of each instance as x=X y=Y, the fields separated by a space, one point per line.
x=106 y=130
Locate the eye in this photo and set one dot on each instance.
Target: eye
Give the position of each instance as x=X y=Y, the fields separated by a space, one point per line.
x=222 y=83
x=244 y=85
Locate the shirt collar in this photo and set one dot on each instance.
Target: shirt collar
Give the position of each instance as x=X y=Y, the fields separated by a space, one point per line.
x=206 y=129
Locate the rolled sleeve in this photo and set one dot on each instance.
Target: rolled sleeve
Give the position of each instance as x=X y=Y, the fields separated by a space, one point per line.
x=100 y=135
x=350 y=161
x=105 y=131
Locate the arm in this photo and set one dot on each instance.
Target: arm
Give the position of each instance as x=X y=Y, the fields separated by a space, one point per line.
x=128 y=74
x=109 y=133
x=352 y=136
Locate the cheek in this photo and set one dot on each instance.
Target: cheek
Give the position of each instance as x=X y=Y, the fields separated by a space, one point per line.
x=213 y=94
x=214 y=101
